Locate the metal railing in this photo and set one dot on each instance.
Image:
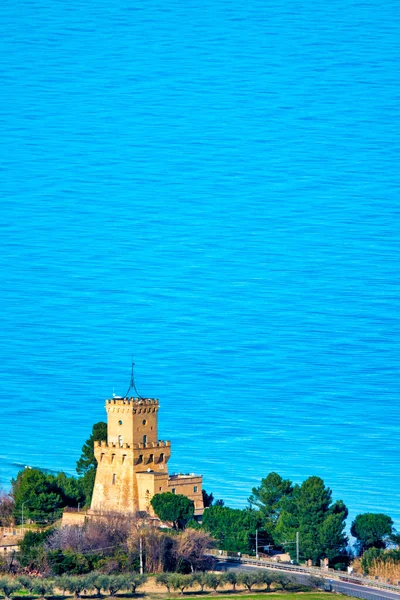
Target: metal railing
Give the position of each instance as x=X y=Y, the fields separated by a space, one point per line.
x=316 y=571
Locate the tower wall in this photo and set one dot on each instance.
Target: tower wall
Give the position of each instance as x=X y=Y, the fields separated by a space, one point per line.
x=130 y=419
x=116 y=485
x=150 y=484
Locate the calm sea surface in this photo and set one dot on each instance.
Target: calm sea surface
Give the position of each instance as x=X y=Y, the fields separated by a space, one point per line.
x=213 y=188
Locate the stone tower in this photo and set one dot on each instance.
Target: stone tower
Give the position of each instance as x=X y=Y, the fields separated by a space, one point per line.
x=132 y=464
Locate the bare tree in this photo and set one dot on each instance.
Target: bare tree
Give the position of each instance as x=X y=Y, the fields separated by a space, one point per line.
x=191 y=546
x=98 y=534
x=156 y=545
x=6 y=510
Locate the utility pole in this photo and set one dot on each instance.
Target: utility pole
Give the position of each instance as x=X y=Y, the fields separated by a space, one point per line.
x=141 y=553
x=297 y=547
x=256 y=543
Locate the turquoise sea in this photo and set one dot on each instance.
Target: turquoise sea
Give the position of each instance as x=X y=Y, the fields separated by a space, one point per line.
x=213 y=188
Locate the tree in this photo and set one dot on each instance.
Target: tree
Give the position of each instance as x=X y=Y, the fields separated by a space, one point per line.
x=191 y=546
x=26 y=582
x=87 y=458
x=176 y=508
x=8 y=586
x=372 y=530
x=213 y=581
x=134 y=581
x=207 y=498
x=97 y=581
x=42 y=587
x=269 y=495
x=69 y=562
x=42 y=496
x=320 y=524
x=157 y=548
x=164 y=579
x=6 y=510
x=283 y=580
x=268 y=577
x=180 y=582
x=32 y=554
x=86 y=465
x=201 y=580
x=33 y=493
x=230 y=577
x=234 y=528
x=72 y=584
x=93 y=536
x=249 y=580
x=116 y=583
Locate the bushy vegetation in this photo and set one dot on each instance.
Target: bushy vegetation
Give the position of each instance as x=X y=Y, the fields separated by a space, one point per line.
x=41 y=496
x=235 y=529
x=382 y=563
x=111 y=545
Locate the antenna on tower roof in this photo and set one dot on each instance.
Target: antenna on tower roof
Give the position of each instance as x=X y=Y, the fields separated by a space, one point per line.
x=132 y=385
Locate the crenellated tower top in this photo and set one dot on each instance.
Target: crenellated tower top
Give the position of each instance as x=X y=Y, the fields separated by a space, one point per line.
x=132 y=420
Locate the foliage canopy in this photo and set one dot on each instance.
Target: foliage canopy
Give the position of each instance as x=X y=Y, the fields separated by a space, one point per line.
x=175 y=508
x=372 y=530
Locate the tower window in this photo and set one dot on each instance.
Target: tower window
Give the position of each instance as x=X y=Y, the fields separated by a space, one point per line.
x=119 y=422
x=114 y=478
x=144 y=422
x=145 y=439
x=112 y=457
x=123 y=458
x=101 y=456
x=173 y=490
x=151 y=458
x=161 y=457
x=195 y=488
x=140 y=459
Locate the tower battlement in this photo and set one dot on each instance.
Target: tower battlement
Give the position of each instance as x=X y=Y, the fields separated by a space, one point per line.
x=159 y=444
x=132 y=401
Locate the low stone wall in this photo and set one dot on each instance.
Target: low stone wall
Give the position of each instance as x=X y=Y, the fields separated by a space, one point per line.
x=74 y=518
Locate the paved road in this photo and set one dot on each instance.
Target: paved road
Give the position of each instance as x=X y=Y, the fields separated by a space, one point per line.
x=342 y=587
